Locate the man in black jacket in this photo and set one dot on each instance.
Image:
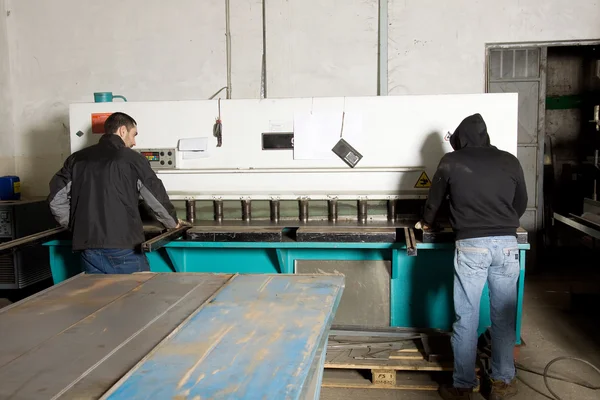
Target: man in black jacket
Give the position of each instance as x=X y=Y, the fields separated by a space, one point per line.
x=96 y=193
x=487 y=193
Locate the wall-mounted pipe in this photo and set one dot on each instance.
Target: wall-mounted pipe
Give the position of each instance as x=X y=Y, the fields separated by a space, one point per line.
x=228 y=46
x=263 y=70
x=382 y=76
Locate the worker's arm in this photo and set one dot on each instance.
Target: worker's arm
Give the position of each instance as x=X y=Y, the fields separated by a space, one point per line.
x=155 y=196
x=437 y=192
x=520 y=199
x=60 y=194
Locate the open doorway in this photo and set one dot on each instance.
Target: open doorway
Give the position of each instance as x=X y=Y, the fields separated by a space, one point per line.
x=558 y=86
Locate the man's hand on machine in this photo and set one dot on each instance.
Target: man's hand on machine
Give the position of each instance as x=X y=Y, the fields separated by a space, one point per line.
x=425 y=227
x=181 y=223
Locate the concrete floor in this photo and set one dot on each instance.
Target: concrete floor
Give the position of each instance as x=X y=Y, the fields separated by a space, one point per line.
x=554 y=325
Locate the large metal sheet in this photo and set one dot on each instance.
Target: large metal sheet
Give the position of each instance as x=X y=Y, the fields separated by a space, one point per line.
x=339 y=234
x=229 y=233
x=528 y=106
x=366 y=299
x=85 y=357
x=257 y=338
x=38 y=319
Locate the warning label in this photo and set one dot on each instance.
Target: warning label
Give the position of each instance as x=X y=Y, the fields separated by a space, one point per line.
x=98 y=122
x=423 y=182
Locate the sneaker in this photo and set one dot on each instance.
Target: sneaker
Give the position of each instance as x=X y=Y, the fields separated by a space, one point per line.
x=452 y=393
x=501 y=390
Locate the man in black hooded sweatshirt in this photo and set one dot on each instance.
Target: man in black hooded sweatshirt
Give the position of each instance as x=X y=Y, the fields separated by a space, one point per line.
x=487 y=193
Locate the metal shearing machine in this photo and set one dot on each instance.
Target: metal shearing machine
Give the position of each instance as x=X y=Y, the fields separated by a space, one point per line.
x=307 y=186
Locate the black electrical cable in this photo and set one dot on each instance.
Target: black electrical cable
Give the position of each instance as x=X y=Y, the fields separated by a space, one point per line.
x=546 y=376
x=487 y=352
x=586 y=385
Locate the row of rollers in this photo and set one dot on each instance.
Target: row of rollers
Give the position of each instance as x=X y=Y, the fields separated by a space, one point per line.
x=332 y=210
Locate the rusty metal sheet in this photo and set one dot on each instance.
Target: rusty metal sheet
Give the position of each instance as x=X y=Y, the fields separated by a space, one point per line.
x=101 y=326
x=263 y=338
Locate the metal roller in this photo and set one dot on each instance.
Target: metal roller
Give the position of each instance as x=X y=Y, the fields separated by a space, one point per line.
x=303 y=210
x=218 y=210
x=362 y=211
x=274 y=206
x=246 y=210
x=332 y=210
x=190 y=211
x=391 y=210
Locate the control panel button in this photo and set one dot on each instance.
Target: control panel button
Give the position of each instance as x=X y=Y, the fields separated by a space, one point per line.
x=170 y=163
x=162 y=163
x=169 y=154
x=162 y=153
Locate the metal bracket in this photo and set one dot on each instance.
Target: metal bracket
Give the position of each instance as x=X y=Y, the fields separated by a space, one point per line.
x=30 y=240
x=159 y=241
x=411 y=243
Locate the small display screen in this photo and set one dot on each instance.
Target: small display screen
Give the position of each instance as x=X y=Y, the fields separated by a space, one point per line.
x=151 y=155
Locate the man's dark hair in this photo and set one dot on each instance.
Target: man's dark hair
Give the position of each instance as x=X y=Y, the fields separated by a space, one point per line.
x=117 y=120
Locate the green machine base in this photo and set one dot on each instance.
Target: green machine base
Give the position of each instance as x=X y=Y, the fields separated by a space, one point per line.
x=420 y=286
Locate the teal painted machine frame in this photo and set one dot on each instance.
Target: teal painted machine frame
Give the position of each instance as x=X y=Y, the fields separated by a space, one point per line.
x=420 y=286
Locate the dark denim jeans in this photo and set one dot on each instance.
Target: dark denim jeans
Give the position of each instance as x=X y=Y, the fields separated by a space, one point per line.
x=113 y=261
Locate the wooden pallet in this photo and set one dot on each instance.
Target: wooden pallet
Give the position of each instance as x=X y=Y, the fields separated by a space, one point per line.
x=404 y=380
x=418 y=364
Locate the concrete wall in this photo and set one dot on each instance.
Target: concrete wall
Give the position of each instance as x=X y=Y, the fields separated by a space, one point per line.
x=63 y=51
x=7 y=148
x=154 y=50
x=439 y=46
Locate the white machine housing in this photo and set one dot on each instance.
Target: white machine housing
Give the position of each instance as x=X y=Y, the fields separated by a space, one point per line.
x=400 y=138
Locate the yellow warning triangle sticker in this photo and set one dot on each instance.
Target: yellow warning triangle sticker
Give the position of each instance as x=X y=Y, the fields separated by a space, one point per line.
x=423 y=182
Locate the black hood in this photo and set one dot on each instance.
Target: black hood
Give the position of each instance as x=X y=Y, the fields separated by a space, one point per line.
x=472 y=132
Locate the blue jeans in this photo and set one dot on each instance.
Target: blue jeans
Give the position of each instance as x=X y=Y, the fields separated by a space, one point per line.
x=495 y=260
x=113 y=261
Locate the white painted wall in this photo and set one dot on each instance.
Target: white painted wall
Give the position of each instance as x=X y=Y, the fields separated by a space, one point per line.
x=322 y=48
x=157 y=50
x=438 y=47
x=62 y=51
x=7 y=148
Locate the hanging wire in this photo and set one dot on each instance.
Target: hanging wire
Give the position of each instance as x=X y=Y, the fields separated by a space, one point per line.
x=218 y=128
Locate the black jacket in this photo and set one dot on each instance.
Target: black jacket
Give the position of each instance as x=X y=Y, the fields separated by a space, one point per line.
x=96 y=194
x=485 y=185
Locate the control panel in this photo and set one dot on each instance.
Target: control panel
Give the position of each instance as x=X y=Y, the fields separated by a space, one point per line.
x=159 y=158
x=6 y=228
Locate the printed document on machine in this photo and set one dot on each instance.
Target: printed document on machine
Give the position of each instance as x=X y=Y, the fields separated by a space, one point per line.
x=315 y=134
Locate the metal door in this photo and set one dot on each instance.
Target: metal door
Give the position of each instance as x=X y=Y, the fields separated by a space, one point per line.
x=517 y=69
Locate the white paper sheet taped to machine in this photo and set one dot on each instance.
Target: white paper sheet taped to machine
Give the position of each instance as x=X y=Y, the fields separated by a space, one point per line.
x=193 y=148
x=316 y=134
